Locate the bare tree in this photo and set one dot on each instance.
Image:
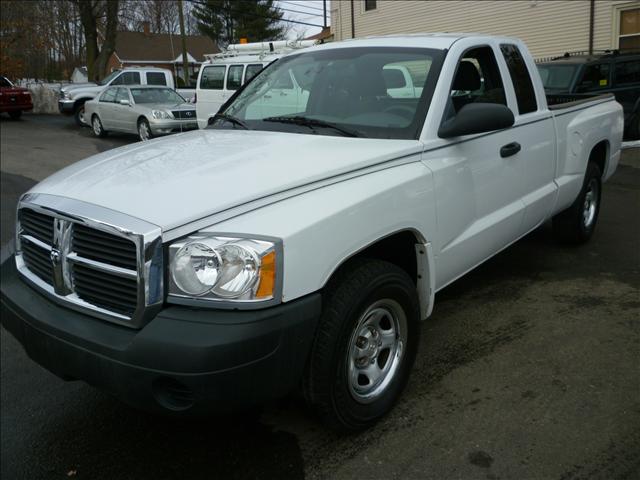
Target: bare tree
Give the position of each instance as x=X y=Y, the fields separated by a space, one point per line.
x=94 y=14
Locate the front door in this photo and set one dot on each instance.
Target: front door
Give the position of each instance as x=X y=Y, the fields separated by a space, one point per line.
x=478 y=191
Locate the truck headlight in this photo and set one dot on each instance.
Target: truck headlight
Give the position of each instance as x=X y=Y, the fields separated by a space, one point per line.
x=161 y=115
x=209 y=268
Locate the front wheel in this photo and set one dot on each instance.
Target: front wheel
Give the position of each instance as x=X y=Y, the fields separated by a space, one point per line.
x=144 y=130
x=577 y=223
x=365 y=345
x=16 y=114
x=98 y=129
x=78 y=116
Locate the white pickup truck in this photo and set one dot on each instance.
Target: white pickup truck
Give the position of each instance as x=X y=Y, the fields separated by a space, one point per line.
x=220 y=268
x=73 y=96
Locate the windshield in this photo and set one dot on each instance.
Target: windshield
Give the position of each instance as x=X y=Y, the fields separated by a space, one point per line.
x=557 y=77
x=109 y=77
x=4 y=82
x=374 y=92
x=156 y=95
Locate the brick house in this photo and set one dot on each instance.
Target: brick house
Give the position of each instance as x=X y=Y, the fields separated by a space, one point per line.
x=145 y=49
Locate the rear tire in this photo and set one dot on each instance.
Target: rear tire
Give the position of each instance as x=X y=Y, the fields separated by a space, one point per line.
x=98 y=129
x=365 y=345
x=78 y=116
x=576 y=224
x=15 y=115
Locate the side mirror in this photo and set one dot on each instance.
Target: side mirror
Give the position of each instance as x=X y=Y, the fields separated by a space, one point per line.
x=477 y=118
x=125 y=102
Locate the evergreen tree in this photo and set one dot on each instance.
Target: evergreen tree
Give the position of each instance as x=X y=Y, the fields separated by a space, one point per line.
x=227 y=21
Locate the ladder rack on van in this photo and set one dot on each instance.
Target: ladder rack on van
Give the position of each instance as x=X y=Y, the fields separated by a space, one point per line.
x=260 y=49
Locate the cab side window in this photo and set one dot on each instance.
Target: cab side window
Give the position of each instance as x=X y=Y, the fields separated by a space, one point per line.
x=477 y=80
x=156 y=78
x=595 y=77
x=521 y=79
x=213 y=78
x=127 y=78
x=109 y=95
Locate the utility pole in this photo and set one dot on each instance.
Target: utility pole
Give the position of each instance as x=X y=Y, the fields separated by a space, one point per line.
x=324 y=8
x=183 y=38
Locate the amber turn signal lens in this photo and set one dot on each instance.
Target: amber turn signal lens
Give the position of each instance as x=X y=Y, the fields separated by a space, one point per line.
x=267 y=276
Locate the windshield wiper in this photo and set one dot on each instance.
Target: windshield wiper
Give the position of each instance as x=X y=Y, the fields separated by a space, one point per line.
x=312 y=122
x=230 y=119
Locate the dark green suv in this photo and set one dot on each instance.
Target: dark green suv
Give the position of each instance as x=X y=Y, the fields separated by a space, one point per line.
x=576 y=75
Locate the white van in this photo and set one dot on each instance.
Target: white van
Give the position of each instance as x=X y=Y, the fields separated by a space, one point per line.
x=225 y=72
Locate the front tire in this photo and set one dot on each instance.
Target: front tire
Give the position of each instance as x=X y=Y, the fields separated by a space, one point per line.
x=16 y=114
x=144 y=130
x=365 y=345
x=98 y=129
x=78 y=116
x=576 y=224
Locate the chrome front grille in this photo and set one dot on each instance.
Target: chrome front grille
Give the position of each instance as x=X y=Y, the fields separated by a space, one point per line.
x=184 y=114
x=103 y=247
x=111 y=272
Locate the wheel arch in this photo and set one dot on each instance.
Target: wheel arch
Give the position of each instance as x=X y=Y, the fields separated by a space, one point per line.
x=408 y=249
x=599 y=154
x=80 y=101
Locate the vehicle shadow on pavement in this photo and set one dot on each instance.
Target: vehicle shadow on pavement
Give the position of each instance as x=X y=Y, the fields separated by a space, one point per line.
x=110 y=440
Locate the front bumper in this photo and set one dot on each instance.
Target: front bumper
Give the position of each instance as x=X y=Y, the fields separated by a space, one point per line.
x=186 y=361
x=15 y=107
x=66 y=107
x=165 y=127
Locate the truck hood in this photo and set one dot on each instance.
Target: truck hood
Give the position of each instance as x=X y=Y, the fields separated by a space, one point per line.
x=81 y=88
x=175 y=180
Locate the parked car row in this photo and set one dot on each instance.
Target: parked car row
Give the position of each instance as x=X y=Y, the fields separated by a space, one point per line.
x=73 y=97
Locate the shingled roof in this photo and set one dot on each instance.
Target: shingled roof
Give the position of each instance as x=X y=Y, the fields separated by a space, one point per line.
x=132 y=46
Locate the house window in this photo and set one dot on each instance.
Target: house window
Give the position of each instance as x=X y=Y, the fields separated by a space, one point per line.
x=370 y=5
x=629 y=29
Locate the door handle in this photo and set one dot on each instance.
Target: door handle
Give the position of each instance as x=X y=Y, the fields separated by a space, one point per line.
x=510 y=149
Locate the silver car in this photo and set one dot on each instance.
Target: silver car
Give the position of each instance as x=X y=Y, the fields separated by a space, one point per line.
x=144 y=110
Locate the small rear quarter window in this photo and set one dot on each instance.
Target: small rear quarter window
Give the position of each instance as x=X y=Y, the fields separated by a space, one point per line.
x=521 y=79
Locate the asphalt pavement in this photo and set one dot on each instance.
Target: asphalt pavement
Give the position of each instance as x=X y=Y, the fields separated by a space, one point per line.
x=529 y=368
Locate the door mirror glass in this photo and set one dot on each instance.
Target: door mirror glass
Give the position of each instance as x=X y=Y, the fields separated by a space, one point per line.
x=477 y=118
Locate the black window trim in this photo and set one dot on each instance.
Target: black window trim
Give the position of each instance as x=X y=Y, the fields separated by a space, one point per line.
x=513 y=85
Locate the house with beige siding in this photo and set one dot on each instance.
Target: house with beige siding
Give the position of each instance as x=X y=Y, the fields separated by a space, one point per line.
x=549 y=27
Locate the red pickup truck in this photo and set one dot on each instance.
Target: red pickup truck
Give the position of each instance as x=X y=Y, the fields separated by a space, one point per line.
x=14 y=100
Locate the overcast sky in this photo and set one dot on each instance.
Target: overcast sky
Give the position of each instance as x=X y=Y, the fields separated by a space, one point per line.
x=307 y=11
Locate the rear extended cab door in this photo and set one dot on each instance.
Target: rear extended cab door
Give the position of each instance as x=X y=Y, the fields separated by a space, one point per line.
x=535 y=132
x=486 y=199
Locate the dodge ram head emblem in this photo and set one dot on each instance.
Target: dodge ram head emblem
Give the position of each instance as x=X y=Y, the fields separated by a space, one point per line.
x=55 y=257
